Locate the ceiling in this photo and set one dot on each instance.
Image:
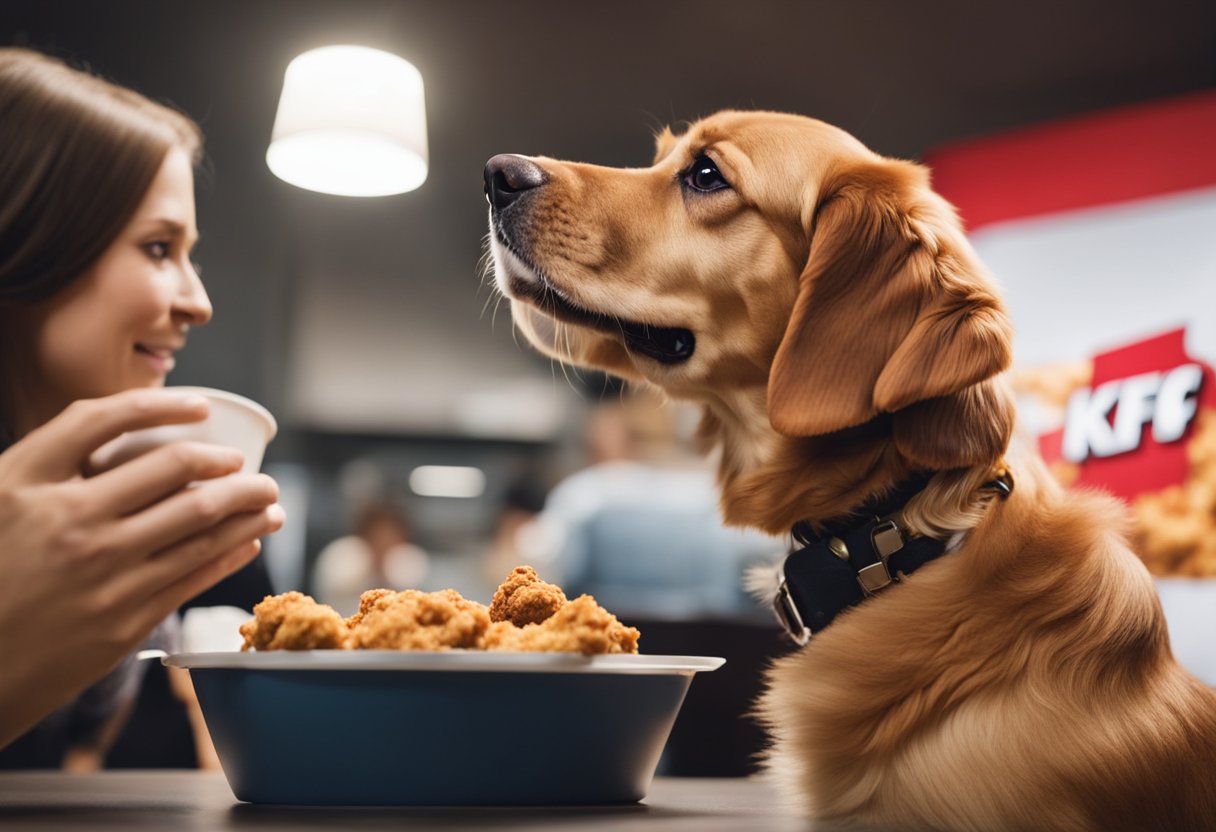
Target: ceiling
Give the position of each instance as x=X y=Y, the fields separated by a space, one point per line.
x=387 y=293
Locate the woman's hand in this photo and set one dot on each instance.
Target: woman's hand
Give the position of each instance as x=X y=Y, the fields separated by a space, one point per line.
x=89 y=566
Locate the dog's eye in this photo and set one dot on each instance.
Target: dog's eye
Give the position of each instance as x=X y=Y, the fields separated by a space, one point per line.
x=703 y=175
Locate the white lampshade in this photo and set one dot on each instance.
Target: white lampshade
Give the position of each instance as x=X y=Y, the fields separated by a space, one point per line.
x=351 y=121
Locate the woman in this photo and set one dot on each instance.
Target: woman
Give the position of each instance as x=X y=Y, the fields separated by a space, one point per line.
x=97 y=293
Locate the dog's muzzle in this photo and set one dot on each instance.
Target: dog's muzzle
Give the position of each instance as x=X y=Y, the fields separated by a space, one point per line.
x=509 y=178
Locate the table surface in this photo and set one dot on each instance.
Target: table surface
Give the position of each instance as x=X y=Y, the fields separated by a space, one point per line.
x=192 y=800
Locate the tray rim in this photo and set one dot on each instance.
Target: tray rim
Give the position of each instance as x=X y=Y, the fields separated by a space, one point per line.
x=472 y=661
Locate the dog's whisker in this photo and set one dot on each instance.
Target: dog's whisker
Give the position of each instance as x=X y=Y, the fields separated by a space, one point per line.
x=564 y=336
x=494 y=315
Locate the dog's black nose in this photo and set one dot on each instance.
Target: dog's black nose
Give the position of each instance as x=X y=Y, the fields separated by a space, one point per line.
x=508 y=176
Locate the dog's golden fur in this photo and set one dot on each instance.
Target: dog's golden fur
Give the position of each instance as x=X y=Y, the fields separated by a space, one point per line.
x=846 y=337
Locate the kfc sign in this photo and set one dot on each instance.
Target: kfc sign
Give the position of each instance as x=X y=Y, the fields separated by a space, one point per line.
x=1167 y=401
x=1127 y=431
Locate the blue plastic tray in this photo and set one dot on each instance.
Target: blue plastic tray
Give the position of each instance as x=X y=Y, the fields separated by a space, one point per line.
x=455 y=728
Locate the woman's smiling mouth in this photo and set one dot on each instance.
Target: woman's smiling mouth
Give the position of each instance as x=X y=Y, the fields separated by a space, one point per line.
x=161 y=358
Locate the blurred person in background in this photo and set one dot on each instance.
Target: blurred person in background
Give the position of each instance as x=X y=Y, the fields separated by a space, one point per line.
x=97 y=293
x=378 y=554
x=511 y=540
x=639 y=527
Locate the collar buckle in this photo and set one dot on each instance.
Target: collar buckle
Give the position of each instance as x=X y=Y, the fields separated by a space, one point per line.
x=874 y=577
x=788 y=615
x=823 y=578
x=887 y=539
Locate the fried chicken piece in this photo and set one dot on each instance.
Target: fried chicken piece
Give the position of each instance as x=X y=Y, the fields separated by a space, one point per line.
x=414 y=620
x=527 y=615
x=294 y=621
x=580 y=626
x=525 y=599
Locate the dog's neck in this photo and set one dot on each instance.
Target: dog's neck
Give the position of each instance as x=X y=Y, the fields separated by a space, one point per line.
x=770 y=481
x=736 y=426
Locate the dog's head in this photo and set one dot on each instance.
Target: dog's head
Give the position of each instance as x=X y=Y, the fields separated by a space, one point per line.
x=767 y=255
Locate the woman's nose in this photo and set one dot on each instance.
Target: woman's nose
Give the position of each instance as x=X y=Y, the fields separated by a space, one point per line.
x=192 y=306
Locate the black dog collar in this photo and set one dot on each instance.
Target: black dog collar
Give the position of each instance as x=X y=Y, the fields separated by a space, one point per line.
x=854 y=559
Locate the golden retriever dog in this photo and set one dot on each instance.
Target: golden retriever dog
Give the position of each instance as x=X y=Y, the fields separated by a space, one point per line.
x=824 y=306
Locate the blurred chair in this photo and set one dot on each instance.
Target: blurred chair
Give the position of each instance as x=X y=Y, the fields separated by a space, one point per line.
x=715 y=734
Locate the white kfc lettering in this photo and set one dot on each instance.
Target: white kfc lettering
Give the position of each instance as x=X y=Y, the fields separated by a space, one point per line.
x=1166 y=400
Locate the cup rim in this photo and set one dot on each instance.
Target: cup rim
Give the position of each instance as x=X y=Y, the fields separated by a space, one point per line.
x=268 y=421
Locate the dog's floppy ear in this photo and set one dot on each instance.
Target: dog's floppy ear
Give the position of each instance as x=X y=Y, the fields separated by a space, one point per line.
x=893 y=308
x=970 y=427
x=664 y=142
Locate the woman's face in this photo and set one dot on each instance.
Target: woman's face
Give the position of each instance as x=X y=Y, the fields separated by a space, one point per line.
x=120 y=323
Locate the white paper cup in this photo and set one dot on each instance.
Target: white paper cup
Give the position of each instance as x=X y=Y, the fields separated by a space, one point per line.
x=213 y=629
x=234 y=421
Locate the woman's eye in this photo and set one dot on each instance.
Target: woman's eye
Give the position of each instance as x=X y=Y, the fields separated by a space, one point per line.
x=704 y=176
x=157 y=250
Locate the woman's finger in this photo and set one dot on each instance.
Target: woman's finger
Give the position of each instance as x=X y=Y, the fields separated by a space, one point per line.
x=60 y=448
x=188 y=556
x=190 y=512
x=154 y=476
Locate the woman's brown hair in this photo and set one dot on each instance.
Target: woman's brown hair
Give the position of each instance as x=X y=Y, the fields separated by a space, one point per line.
x=77 y=154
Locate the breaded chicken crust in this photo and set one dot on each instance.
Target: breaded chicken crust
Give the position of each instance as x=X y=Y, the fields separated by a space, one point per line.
x=366 y=602
x=523 y=598
x=413 y=620
x=294 y=621
x=580 y=626
x=527 y=615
